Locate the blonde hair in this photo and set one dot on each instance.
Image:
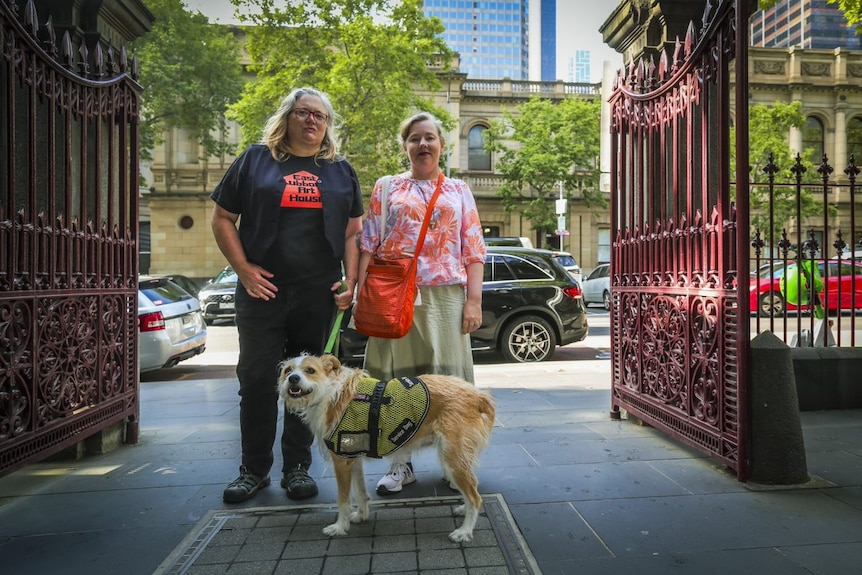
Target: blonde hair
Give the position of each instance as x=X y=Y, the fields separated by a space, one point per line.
x=407 y=124
x=275 y=129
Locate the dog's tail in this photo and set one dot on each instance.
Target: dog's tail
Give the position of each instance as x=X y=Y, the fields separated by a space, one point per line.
x=488 y=410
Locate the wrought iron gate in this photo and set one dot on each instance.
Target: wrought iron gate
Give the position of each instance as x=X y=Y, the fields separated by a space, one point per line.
x=68 y=238
x=680 y=337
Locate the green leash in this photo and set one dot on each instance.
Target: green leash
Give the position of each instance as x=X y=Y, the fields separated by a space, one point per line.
x=332 y=343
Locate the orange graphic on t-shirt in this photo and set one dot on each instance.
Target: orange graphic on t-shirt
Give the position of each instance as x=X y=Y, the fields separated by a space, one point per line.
x=301 y=191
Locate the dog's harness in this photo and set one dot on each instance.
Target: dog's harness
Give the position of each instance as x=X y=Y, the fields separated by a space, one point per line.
x=382 y=417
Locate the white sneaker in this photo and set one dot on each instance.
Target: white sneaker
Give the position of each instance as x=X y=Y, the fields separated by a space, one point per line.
x=399 y=475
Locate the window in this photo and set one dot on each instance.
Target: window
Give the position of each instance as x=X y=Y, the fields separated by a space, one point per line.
x=812 y=140
x=477 y=157
x=187 y=151
x=529 y=270
x=603 y=250
x=162 y=292
x=497 y=270
x=854 y=140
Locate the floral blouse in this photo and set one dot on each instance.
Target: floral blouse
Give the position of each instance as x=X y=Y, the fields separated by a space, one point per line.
x=454 y=238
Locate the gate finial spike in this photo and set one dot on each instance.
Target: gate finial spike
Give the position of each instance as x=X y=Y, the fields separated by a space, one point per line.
x=852 y=170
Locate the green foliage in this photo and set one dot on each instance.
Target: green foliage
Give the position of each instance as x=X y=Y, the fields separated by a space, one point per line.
x=370 y=56
x=190 y=70
x=852 y=8
x=768 y=130
x=552 y=143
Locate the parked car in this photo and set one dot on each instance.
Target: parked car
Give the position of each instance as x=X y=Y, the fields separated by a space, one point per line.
x=184 y=282
x=170 y=325
x=508 y=242
x=570 y=264
x=216 y=297
x=530 y=305
x=848 y=254
x=765 y=294
x=597 y=286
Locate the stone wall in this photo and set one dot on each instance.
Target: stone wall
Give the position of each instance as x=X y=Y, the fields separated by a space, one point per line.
x=828 y=377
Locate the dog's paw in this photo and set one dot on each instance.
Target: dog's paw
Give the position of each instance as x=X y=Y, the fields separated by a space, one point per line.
x=461 y=535
x=334 y=530
x=358 y=516
x=459 y=510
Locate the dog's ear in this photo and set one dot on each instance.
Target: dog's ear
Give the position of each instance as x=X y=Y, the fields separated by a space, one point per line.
x=330 y=363
x=280 y=368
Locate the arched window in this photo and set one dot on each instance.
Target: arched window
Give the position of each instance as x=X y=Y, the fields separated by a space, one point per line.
x=477 y=157
x=854 y=140
x=812 y=140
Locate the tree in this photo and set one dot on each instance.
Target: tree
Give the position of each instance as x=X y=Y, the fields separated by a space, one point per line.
x=852 y=8
x=554 y=142
x=768 y=130
x=190 y=70
x=370 y=56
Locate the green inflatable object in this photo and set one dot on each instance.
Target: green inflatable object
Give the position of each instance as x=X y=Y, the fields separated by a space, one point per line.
x=796 y=286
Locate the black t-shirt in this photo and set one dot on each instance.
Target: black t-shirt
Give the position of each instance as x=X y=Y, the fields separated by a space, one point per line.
x=301 y=253
x=293 y=214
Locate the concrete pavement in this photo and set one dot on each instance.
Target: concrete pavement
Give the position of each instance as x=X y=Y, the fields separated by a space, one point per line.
x=567 y=490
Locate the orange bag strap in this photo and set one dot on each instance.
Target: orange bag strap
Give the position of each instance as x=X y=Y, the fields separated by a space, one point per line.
x=428 y=211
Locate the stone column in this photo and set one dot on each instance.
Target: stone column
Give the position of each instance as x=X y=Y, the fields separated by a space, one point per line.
x=839 y=161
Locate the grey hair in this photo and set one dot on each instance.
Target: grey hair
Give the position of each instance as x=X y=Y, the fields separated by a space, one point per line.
x=407 y=124
x=275 y=129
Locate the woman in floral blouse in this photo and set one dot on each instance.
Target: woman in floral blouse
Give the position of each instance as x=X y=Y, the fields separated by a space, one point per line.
x=449 y=270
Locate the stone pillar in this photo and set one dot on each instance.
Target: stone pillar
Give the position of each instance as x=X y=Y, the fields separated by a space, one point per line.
x=840 y=159
x=608 y=75
x=795 y=140
x=777 y=445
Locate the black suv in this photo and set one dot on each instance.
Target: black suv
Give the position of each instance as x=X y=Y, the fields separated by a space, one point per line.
x=530 y=305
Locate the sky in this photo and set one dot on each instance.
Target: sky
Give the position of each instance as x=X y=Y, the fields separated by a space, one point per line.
x=578 y=24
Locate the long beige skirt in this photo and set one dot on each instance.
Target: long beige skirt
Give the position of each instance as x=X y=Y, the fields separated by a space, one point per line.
x=434 y=344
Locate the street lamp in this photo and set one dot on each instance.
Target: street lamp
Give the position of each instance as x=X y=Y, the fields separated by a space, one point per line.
x=561 y=216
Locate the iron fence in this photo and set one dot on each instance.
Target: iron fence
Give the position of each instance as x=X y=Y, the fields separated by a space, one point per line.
x=806 y=280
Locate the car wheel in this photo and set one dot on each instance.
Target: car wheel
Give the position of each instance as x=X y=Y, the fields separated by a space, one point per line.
x=606 y=300
x=771 y=303
x=527 y=339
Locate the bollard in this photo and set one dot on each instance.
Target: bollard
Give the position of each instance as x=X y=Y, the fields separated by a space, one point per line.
x=777 y=446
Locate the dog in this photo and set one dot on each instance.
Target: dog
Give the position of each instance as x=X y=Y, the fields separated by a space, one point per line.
x=457 y=418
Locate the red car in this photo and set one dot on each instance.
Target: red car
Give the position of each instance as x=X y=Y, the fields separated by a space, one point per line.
x=766 y=299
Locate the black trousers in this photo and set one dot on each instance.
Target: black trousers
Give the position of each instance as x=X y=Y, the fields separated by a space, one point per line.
x=297 y=320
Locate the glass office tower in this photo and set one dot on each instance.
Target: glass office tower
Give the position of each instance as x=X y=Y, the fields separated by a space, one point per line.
x=490 y=36
x=548 y=11
x=805 y=24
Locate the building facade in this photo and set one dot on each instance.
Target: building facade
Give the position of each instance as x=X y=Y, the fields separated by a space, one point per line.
x=548 y=45
x=492 y=37
x=579 y=66
x=803 y=24
x=829 y=85
x=179 y=208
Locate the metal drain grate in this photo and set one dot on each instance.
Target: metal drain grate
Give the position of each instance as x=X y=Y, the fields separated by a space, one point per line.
x=406 y=535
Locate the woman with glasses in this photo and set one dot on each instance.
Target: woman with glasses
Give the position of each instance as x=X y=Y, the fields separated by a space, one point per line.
x=448 y=272
x=287 y=216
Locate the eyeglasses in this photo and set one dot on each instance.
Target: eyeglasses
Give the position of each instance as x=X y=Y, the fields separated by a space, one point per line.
x=303 y=114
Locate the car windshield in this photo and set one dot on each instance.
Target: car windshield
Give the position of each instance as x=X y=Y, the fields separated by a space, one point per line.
x=599 y=272
x=226 y=276
x=163 y=292
x=778 y=269
x=775 y=271
x=567 y=261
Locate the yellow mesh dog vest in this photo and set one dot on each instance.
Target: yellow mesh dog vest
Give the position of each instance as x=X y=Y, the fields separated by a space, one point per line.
x=382 y=417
